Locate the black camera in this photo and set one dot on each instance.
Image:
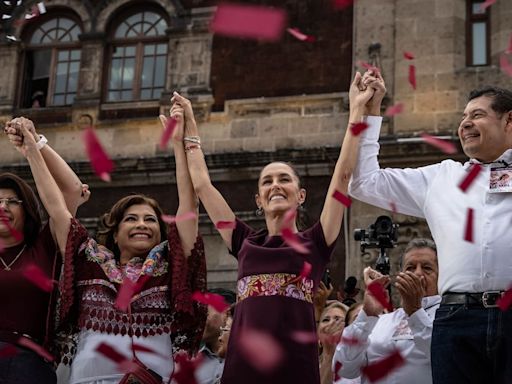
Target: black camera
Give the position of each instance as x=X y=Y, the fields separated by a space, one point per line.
x=382 y=234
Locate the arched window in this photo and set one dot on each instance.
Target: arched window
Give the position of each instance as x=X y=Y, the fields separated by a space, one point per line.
x=138 y=58
x=52 y=64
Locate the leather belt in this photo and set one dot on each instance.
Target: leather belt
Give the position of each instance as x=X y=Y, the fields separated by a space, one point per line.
x=487 y=299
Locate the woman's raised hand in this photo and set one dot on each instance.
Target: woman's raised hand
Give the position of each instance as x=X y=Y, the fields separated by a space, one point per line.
x=188 y=114
x=13 y=131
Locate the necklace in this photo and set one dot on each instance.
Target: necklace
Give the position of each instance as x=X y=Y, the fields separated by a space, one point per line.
x=7 y=267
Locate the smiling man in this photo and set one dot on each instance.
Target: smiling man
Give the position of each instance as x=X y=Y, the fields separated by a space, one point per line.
x=472 y=337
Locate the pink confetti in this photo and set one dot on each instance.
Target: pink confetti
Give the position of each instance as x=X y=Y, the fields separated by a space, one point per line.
x=336 y=372
x=293 y=241
x=27 y=343
x=357 y=128
x=408 y=55
x=304 y=337
x=486 y=4
x=306 y=270
x=261 y=350
x=341 y=4
x=383 y=367
x=368 y=66
x=289 y=218
x=176 y=219
x=380 y=294
x=342 y=198
x=100 y=161
x=468 y=233
x=170 y=126
x=351 y=341
x=111 y=353
x=36 y=276
x=443 y=145
x=505 y=301
x=214 y=300
x=8 y=351
x=186 y=367
x=300 y=36
x=509 y=49
x=412 y=76
x=249 y=21
x=392 y=206
x=18 y=236
x=225 y=225
x=126 y=291
x=505 y=65
x=470 y=177
x=394 y=109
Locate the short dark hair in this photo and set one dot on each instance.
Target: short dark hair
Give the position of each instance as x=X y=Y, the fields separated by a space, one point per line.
x=501 y=97
x=31 y=207
x=110 y=221
x=417 y=243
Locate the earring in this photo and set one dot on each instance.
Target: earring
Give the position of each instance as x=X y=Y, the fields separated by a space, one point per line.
x=259 y=211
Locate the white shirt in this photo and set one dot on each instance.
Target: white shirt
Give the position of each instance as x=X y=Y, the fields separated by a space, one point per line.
x=211 y=368
x=432 y=192
x=381 y=336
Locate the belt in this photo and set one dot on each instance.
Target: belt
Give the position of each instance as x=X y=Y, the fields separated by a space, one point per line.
x=487 y=299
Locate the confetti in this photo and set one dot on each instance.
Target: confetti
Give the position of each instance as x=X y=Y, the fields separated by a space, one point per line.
x=368 y=66
x=304 y=337
x=126 y=291
x=225 y=225
x=261 y=350
x=383 y=367
x=249 y=21
x=111 y=353
x=289 y=218
x=170 y=126
x=185 y=374
x=176 y=219
x=393 y=110
x=505 y=65
x=408 y=55
x=99 y=159
x=36 y=276
x=142 y=348
x=468 y=233
x=27 y=343
x=443 y=145
x=342 y=198
x=214 y=300
x=392 y=206
x=486 y=4
x=300 y=36
x=470 y=177
x=336 y=372
x=505 y=301
x=8 y=351
x=341 y=4
x=509 y=49
x=380 y=294
x=412 y=76
x=293 y=241
x=351 y=341
x=357 y=128
x=306 y=270
x=18 y=236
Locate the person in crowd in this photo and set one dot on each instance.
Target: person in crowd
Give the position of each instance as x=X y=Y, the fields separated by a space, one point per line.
x=271 y=293
x=225 y=331
x=408 y=329
x=472 y=337
x=352 y=313
x=212 y=364
x=320 y=299
x=27 y=310
x=134 y=248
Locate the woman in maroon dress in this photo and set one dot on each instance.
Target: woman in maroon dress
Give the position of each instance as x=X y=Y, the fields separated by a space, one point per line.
x=272 y=299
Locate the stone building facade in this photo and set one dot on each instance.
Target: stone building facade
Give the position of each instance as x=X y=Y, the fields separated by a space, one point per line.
x=255 y=101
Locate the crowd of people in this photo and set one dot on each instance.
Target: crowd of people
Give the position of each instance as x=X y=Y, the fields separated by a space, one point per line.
x=448 y=328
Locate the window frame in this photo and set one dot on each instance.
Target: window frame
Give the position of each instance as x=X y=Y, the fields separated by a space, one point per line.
x=471 y=19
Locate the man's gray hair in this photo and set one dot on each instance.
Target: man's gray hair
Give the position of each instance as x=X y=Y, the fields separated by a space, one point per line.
x=417 y=243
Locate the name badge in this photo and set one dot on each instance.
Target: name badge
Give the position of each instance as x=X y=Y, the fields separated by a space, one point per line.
x=500 y=180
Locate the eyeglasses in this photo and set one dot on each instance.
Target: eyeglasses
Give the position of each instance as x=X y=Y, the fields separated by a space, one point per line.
x=11 y=202
x=225 y=329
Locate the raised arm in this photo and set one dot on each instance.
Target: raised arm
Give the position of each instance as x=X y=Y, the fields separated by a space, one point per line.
x=214 y=203
x=49 y=192
x=75 y=193
x=359 y=95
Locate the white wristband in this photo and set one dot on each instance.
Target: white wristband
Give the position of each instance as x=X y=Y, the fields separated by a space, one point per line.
x=42 y=142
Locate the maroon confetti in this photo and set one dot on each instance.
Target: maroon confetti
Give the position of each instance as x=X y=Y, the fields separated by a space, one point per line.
x=468 y=233
x=505 y=301
x=143 y=348
x=380 y=294
x=18 y=236
x=293 y=241
x=225 y=225
x=289 y=217
x=261 y=350
x=505 y=65
x=27 y=343
x=295 y=32
x=509 y=49
x=214 y=300
x=342 y=198
x=304 y=337
x=99 y=159
x=342 y=4
x=393 y=110
x=306 y=270
x=111 y=353
x=351 y=341
x=470 y=177
x=357 y=128
x=186 y=367
x=249 y=21
x=336 y=372
x=8 y=351
x=383 y=367
x=126 y=291
x=36 y=276
x=176 y=219
x=443 y=145
x=408 y=55
x=170 y=126
x=486 y=4
x=412 y=76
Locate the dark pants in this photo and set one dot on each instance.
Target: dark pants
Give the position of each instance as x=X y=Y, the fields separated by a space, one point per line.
x=26 y=367
x=472 y=345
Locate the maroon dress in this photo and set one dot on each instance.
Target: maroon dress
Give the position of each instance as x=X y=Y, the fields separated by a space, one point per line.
x=272 y=299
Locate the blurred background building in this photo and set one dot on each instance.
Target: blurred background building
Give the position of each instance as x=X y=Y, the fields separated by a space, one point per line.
x=113 y=64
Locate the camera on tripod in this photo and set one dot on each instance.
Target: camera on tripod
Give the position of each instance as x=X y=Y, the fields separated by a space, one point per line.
x=383 y=235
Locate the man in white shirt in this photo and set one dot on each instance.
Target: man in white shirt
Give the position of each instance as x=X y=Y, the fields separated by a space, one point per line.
x=408 y=329
x=472 y=338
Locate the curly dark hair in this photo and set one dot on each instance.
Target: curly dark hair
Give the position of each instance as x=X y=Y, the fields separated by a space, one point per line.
x=110 y=221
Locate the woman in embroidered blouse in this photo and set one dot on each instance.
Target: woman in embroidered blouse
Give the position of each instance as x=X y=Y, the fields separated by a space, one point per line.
x=140 y=247
x=271 y=297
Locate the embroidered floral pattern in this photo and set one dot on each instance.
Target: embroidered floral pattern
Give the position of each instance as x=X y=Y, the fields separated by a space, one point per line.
x=280 y=284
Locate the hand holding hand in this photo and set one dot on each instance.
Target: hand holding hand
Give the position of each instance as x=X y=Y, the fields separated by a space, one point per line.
x=190 y=128
x=374 y=80
x=412 y=289
x=28 y=142
x=13 y=131
x=359 y=95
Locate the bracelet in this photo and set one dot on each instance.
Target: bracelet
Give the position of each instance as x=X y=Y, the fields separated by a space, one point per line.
x=190 y=148
x=42 y=142
x=192 y=139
